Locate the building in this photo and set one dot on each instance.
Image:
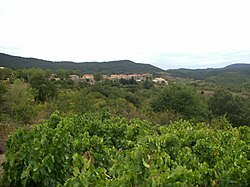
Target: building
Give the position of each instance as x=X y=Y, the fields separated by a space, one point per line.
x=53 y=77
x=74 y=78
x=160 y=81
x=105 y=77
x=88 y=78
x=136 y=77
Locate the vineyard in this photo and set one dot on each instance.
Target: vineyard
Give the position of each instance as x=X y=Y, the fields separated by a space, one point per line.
x=102 y=150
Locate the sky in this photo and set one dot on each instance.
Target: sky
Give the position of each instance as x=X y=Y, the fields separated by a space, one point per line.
x=165 y=33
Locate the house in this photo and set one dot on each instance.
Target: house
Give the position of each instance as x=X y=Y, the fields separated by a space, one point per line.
x=105 y=77
x=141 y=77
x=136 y=77
x=88 y=78
x=118 y=77
x=160 y=81
x=53 y=77
x=74 y=78
x=147 y=76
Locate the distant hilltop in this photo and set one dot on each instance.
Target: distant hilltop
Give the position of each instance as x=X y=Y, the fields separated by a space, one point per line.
x=109 y=67
x=202 y=74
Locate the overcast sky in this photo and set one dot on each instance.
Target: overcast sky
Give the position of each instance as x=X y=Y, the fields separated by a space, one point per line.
x=165 y=33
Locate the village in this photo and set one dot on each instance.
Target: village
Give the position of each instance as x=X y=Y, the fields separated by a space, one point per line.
x=90 y=78
x=76 y=77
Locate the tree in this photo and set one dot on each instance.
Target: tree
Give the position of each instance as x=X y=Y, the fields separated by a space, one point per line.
x=75 y=72
x=21 y=74
x=121 y=107
x=44 y=90
x=84 y=101
x=132 y=98
x=63 y=74
x=148 y=84
x=5 y=73
x=18 y=102
x=98 y=77
x=180 y=99
x=224 y=103
x=127 y=81
x=27 y=74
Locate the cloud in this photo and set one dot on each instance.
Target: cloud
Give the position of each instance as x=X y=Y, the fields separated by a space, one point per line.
x=166 y=33
x=199 y=60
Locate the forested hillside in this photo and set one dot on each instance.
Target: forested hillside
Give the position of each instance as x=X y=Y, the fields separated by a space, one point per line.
x=121 y=66
x=203 y=74
x=235 y=76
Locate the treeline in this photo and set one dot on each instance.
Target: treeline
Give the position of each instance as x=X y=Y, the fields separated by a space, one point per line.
x=28 y=97
x=109 y=67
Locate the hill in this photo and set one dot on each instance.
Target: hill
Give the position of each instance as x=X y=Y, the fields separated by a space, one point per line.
x=120 y=66
x=232 y=75
x=203 y=74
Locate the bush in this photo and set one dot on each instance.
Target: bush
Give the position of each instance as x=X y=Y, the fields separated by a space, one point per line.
x=182 y=100
x=101 y=150
x=223 y=103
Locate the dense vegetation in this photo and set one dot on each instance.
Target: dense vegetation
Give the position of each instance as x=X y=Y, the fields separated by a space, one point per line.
x=122 y=133
x=100 y=150
x=121 y=66
x=29 y=97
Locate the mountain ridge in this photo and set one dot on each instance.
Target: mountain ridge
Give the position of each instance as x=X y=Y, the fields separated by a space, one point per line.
x=107 y=67
x=202 y=74
x=120 y=66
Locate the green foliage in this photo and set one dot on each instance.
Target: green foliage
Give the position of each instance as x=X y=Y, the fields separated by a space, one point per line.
x=85 y=101
x=121 y=107
x=5 y=73
x=107 y=90
x=148 y=84
x=98 y=77
x=62 y=74
x=18 y=102
x=229 y=79
x=43 y=88
x=236 y=73
x=22 y=74
x=182 y=100
x=132 y=98
x=24 y=113
x=101 y=150
x=220 y=123
x=3 y=90
x=224 y=103
x=127 y=81
x=221 y=102
x=163 y=118
x=98 y=149
x=75 y=72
